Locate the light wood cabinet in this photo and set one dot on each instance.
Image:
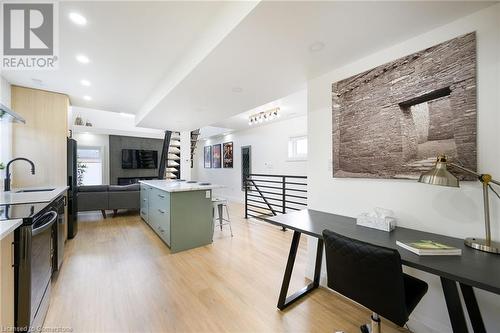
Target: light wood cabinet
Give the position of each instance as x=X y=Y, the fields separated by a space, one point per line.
x=7 y=282
x=42 y=139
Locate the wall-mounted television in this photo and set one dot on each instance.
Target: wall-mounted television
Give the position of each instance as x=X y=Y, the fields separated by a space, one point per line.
x=139 y=159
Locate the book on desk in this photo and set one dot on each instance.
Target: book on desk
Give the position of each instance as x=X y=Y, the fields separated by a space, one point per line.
x=429 y=248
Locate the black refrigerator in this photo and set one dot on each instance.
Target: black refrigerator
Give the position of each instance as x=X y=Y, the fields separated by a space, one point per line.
x=72 y=183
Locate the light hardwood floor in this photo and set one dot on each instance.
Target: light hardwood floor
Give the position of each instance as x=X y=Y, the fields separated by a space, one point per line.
x=118 y=276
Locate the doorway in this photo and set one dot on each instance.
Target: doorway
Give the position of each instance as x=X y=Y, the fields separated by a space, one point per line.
x=246 y=164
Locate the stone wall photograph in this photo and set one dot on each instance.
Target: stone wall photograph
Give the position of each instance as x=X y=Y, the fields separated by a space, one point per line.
x=392 y=121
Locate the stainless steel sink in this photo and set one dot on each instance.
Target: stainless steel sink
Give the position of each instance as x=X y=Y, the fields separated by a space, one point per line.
x=35 y=190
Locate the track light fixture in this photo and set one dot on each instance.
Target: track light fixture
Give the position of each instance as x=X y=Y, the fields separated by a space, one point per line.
x=264 y=116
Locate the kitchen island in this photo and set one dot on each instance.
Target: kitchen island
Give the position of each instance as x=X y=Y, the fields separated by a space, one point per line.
x=180 y=212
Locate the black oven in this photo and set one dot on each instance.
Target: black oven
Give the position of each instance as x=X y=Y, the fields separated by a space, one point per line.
x=36 y=245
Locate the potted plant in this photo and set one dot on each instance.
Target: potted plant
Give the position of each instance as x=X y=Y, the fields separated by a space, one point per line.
x=80 y=171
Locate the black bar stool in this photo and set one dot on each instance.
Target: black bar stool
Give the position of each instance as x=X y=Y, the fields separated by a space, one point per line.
x=373 y=277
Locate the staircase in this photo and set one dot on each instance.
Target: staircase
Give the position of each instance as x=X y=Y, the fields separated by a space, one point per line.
x=170 y=163
x=194 y=140
x=170 y=166
x=173 y=168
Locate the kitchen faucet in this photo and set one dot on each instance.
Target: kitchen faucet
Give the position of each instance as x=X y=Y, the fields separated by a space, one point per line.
x=7 y=173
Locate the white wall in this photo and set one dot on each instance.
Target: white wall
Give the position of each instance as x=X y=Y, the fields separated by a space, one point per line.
x=5 y=129
x=453 y=212
x=107 y=122
x=96 y=140
x=269 y=155
x=4 y=92
x=186 y=155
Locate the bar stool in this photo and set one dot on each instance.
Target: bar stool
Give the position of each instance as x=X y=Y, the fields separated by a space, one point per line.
x=218 y=205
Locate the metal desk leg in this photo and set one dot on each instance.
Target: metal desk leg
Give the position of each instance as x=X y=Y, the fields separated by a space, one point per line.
x=472 y=309
x=317 y=265
x=454 y=306
x=284 y=301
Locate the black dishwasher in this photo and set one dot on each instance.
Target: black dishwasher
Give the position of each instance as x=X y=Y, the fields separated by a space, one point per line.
x=59 y=233
x=34 y=248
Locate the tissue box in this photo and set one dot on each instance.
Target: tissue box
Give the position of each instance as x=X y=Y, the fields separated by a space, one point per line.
x=386 y=223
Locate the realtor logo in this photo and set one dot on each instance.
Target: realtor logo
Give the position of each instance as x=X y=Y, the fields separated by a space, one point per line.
x=29 y=35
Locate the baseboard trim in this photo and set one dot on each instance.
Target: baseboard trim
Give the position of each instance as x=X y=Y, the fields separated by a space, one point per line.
x=418 y=324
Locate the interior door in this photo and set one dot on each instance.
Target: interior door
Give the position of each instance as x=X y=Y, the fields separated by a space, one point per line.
x=246 y=164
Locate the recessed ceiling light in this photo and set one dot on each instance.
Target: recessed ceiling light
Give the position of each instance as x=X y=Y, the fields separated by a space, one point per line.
x=82 y=58
x=237 y=89
x=87 y=98
x=77 y=18
x=85 y=83
x=316 y=46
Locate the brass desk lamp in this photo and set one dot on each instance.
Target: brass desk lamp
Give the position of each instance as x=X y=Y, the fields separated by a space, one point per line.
x=439 y=175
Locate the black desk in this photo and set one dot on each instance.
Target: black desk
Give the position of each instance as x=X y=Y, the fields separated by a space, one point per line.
x=472 y=269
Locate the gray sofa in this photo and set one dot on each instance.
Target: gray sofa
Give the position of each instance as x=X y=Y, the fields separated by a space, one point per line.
x=108 y=197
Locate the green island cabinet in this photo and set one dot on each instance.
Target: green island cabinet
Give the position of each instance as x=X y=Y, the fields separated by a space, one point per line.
x=179 y=212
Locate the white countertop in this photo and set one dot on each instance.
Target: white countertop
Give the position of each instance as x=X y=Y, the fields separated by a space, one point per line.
x=8 y=226
x=11 y=197
x=179 y=186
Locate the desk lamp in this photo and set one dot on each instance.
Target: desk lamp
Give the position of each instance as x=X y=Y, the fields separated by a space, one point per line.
x=439 y=175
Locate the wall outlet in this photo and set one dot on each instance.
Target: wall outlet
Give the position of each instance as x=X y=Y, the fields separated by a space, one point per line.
x=208 y=194
x=269 y=166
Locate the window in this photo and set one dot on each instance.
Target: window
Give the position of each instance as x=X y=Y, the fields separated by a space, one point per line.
x=297 y=148
x=89 y=166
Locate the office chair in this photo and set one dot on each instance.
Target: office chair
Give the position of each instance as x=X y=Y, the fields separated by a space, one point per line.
x=373 y=277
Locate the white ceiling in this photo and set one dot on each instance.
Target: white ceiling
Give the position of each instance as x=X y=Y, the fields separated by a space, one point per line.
x=184 y=65
x=268 y=55
x=212 y=131
x=132 y=46
x=291 y=106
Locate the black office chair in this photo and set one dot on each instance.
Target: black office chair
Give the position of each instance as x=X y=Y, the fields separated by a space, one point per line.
x=373 y=277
